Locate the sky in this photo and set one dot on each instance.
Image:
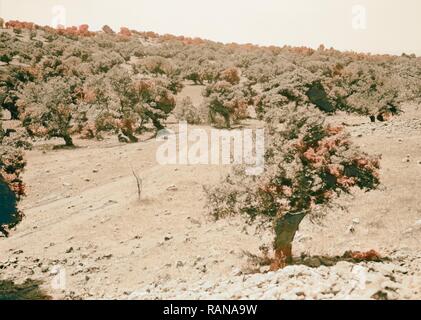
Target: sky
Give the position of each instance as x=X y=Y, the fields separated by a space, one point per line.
x=377 y=26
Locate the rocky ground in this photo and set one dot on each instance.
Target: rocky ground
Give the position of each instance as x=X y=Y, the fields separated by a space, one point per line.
x=400 y=279
x=87 y=235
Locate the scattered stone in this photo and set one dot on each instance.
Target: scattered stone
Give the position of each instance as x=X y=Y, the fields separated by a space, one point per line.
x=54 y=271
x=313 y=262
x=326 y=261
x=194 y=221
x=408 y=231
x=236 y=272
x=342 y=281
x=172 y=188
x=351 y=229
x=264 y=269
x=69 y=250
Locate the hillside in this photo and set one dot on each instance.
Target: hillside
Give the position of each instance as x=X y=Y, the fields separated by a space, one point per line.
x=84 y=108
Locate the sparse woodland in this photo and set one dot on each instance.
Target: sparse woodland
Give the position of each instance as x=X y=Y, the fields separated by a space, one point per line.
x=74 y=82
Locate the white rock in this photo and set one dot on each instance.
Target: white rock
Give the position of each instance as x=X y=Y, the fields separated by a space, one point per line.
x=236 y=272
x=172 y=188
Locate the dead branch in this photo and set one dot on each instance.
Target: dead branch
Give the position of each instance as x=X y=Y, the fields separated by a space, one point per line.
x=139 y=183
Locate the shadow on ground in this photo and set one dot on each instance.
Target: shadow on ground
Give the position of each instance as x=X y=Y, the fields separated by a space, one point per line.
x=29 y=290
x=256 y=262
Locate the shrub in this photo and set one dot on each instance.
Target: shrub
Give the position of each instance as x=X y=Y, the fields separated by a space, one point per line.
x=6 y=58
x=186 y=111
x=307 y=165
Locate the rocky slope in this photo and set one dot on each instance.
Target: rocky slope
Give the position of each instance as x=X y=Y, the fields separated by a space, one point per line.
x=400 y=279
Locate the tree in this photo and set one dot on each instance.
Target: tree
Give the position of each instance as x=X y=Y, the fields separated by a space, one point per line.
x=19 y=25
x=200 y=71
x=11 y=79
x=307 y=165
x=84 y=29
x=140 y=102
x=103 y=62
x=366 y=89
x=107 y=29
x=12 y=188
x=50 y=108
x=157 y=65
x=157 y=101
x=225 y=100
x=125 y=32
x=231 y=75
x=1 y=23
x=298 y=86
x=186 y=111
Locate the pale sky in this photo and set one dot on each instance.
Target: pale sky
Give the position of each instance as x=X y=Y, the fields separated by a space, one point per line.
x=383 y=26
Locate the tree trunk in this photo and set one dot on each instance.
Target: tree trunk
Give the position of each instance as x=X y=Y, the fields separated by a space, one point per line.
x=68 y=140
x=227 y=121
x=129 y=134
x=157 y=124
x=285 y=230
x=13 y=109
x=4 y=232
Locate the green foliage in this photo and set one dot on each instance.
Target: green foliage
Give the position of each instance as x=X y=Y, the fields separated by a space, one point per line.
x=29 y=290
x=140 y=102
x=227 y=101
x=186 y=111
x=65 y=82
x=50 y=108
x=307 y=165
